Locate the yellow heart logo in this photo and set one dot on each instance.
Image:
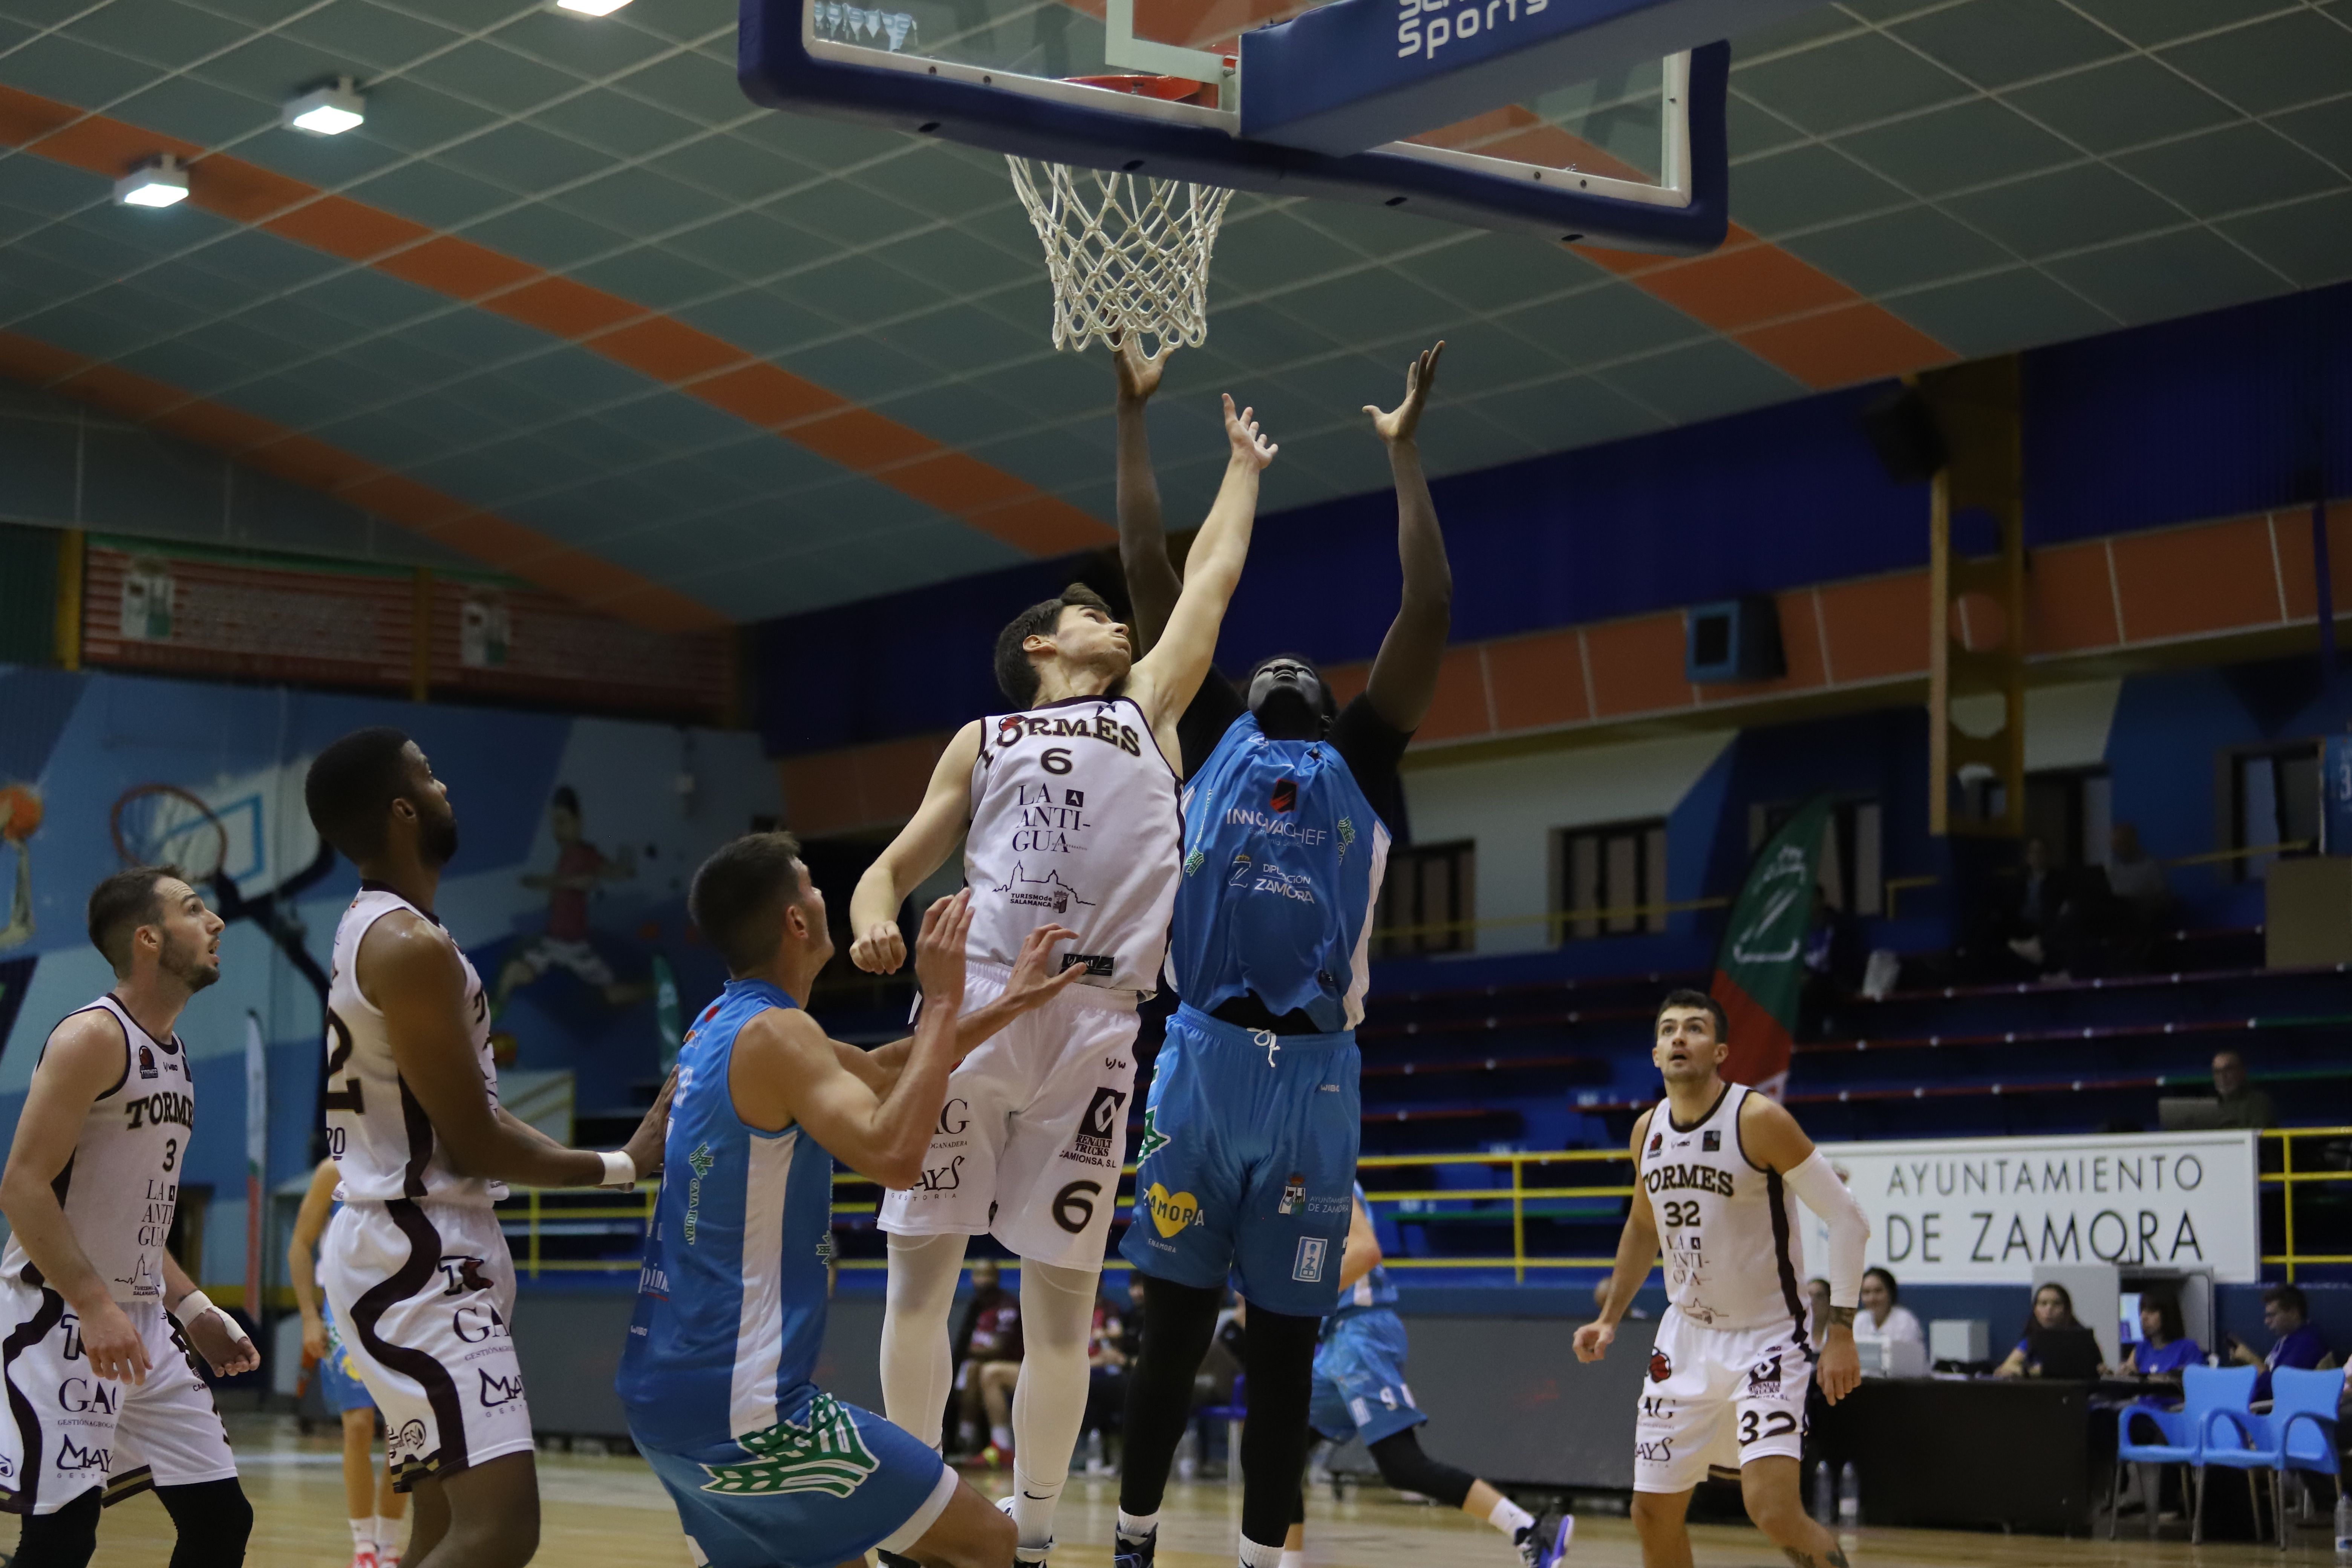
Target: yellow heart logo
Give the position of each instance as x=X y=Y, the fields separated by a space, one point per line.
x=1172 y=1211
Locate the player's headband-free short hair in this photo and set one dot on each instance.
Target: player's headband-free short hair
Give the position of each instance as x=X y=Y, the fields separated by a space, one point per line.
x=1016 y=676
x=1683 y=996
x=120 y=905
x=351 y=788
x=739 y=894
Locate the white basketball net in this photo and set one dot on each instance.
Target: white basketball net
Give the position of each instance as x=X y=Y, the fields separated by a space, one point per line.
x=1126 y=254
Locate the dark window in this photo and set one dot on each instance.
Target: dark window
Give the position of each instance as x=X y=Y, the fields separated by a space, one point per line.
x=2274 y=805
x=1428 y=897
x=1609 y=880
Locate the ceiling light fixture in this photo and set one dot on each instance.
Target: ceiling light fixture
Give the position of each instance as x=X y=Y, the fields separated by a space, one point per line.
x=161 y=182
x=591 y=7
x=327 y=111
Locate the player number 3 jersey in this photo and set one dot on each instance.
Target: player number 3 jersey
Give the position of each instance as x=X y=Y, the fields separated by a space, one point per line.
x=1075 y=822
x=379 y=1136
x=1727 y=1228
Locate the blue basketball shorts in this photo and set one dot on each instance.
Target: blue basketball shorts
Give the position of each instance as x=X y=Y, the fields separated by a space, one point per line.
x=338 y=1380
x=823 y=1487
x=1359 y=1387
x=1248 y=1162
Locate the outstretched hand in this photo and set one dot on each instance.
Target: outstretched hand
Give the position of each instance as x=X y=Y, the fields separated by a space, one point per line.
x=1242 y=430
x=939 y=951
x=1399 y=422
x=1138 y=374
x=1032 y=982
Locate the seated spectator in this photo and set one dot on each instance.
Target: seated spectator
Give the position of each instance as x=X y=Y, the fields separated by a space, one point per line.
x=2165 y=1346
x=989 y=1345
x=2135 y=877
x=1882 y=1316
x=2243 y=1105
x=2296 y=1344
x=2055 y=1344
x=1817 y=1310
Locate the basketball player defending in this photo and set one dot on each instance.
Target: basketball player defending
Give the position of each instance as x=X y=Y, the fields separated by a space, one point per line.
x=1249 y=1138
x=1717 y=1165
x=1067 y=812
x=102 y=1328
x=767 y=1470
x=414 y=1264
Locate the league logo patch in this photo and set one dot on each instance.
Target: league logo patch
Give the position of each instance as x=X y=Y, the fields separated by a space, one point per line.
x=1661 y=1367
x=1710 y=1141
x=1312 y=1250
x=1286 y=796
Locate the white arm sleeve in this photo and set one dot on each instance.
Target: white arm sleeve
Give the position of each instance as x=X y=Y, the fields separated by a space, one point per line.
x=1818 y=1188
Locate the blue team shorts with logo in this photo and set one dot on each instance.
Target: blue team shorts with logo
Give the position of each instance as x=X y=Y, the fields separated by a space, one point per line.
x=1248 y=1162
x=1359 y=1387
x=338 y=1382
x=823 y=1487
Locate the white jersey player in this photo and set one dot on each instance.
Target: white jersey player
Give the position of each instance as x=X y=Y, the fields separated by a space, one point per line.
x=1067 y=811
x=101 y=1327
x=414 y=1264
x=1718 y=1170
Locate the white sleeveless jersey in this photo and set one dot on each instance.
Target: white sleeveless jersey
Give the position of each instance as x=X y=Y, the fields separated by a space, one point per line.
x=1075 y=821
x=123 y=1181
x=377 y=1134
x=1728 y=1228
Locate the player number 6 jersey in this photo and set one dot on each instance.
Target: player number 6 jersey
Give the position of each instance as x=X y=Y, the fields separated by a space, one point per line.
x=1075 y=822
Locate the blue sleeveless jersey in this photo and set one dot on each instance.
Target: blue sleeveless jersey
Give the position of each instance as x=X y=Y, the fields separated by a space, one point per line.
x=1374 y=1292
x=731 y=1300
x=1283 y=857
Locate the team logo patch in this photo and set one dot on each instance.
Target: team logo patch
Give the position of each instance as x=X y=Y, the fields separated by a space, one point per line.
x=1346 y=837
x=1661 y=1367
x=1312 y=1250
x=825 y=1454
x=1194 y=861
x=1294 y=1193
x=1170 y=1212
x=1710 y=1141
x=1658 y=1142
x=146 y=1062
x=1153 y=1139
x=1285 y=796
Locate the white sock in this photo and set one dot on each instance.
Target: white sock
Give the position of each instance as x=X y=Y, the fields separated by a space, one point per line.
x=1256 y=1555
x=1138 y=1526
x=1509 y=1518
x=1294 y=1560
x=389 y=1536
x=916 y=1364
x=1001 y=1436
x=1033 y=1506
x=364 y=1535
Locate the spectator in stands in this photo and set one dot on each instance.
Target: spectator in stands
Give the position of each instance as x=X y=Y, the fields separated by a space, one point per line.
x=2242 y=1104
x=2136 y=876
x=2055 y=1344
x=2295 y=1343
x=1883 y=1317
x=2165 y=1346
x=1106 y=1382
x=1817 y=1310
x=988 y=1346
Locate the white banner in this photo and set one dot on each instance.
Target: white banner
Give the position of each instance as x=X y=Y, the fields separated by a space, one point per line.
x=1986 y=1211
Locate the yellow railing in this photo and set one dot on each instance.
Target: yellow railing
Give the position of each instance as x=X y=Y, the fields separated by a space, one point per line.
x=1519 y=1186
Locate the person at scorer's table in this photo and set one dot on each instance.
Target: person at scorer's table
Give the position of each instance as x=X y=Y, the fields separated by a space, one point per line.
x=2054 y=1333
x=2165 y=1346
x=1883 y=1317
x=2286 y=1313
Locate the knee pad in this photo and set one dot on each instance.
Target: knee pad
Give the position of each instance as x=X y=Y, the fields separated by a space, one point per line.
x=213 y=1518
x=64 y=1539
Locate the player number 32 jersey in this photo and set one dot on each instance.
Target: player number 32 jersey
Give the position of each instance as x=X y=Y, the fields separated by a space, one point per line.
x=1728 y=1227
x=1075 y=822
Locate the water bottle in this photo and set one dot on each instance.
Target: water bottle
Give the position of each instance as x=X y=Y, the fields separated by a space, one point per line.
x=1188 y=1454
x=1824 y=1496
x=1849 y=1497
x=2343 y=1528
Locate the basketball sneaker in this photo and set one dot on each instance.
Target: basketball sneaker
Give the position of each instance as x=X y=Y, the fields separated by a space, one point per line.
x=1544 y=1543
x=364 y=1556
x=1130 y=1551
x=1025 y=1556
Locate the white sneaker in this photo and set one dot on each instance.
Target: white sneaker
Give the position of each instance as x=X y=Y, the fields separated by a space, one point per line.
x=1025 y=1556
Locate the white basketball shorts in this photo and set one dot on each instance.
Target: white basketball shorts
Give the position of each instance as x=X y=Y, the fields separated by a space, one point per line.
x=1030 y=1141
x=1717 y=1398
x=65 y=1431
x=425 y=1292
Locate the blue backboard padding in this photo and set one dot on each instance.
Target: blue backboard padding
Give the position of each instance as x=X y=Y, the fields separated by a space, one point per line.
x=776 y=69
x=1355 y=73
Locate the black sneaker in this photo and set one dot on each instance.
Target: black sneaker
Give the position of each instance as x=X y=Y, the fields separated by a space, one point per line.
x=1132 y=1552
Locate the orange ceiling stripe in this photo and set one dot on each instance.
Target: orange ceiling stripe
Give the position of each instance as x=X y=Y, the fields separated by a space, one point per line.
x=657 y=345
x=255 y=442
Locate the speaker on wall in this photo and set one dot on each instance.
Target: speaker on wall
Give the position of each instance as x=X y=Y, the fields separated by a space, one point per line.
x=1735 y=639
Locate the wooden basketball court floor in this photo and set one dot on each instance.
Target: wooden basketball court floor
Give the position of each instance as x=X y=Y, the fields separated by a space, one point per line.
x=603 y=1511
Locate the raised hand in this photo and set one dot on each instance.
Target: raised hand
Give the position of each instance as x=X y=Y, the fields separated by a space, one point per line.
x=1241 y=429
x=1033 y=983
x=1139 y=375
x=1398 y=423
x=939 y=951
x=881 y=949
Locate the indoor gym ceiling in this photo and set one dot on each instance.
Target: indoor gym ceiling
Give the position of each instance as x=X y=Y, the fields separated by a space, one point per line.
x=568 y=295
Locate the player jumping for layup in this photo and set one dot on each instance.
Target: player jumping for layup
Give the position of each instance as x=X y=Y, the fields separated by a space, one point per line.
x=103 y=1395
x=767 y=1470
x=1067 y=810
x=414 y=1265
x=1249 y=1144
x=1716 y=1167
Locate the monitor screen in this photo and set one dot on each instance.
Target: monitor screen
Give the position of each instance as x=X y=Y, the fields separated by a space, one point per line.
x=2129 y=1303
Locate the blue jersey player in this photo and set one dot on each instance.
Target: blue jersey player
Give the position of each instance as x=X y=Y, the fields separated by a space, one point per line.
x=1360 y=1392
x=767 y=1469
x=1250 y=1128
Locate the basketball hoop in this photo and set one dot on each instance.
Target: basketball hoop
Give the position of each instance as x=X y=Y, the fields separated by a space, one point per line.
x=1126 y=253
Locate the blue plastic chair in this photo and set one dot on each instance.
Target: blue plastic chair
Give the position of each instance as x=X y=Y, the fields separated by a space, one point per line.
x=2228 y=1432
x=2178 y=1447
x=2302 y=1425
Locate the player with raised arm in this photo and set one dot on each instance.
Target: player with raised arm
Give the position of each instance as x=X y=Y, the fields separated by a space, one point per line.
x=102 y=1328
x=767 y=1470
x=1249 y=1138
x=1066 y=807
x=1718 y=1170
x=415 y=1265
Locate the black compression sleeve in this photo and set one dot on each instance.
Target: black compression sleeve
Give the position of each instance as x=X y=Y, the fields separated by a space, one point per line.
x=1177 y=1322
x=64 y=1539
x=1281 y=1366
x=1404 y=1466
x=213 y=1518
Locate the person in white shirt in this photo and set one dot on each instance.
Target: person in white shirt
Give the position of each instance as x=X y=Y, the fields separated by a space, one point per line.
x=1883 y=1317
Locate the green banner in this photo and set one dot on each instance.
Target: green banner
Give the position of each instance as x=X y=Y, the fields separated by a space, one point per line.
x=1759 y=971
x=666 y=1017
